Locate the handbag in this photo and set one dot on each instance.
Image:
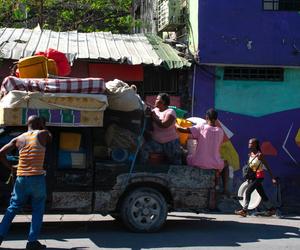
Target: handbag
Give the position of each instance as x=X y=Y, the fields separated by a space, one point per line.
x=248 y=173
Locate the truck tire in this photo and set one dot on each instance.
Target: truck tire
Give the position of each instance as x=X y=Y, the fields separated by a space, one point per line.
x=144 y=210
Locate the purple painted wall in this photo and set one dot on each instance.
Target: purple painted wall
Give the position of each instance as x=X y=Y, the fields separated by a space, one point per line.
x=204 y=96
x=241 y=32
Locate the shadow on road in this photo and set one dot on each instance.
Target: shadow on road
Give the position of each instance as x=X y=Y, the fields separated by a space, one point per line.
x=290 y=218
x=190 y=232
x=48 y=248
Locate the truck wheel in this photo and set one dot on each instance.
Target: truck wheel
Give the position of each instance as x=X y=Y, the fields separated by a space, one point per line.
x=144 y=210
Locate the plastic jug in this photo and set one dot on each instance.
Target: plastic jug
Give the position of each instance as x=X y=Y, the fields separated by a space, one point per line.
x=52 y=67
x=33 y=67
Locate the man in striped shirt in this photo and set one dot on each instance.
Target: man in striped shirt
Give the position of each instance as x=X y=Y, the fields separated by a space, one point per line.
x=30 y=183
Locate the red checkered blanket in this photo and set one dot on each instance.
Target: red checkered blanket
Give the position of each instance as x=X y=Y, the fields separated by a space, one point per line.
x=70 y=85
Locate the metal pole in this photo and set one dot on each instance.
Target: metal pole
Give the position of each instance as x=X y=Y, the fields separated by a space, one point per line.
x=193 y=89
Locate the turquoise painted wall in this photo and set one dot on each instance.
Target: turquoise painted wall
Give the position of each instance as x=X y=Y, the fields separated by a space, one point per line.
x=258 y=98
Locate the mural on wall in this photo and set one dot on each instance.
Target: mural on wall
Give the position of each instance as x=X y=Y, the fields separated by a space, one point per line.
x=269 y=111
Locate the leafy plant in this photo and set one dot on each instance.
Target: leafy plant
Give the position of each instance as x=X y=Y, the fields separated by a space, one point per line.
x=64 y=15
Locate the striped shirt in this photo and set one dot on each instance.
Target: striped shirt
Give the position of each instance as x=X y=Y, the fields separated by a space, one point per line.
x=31 y=155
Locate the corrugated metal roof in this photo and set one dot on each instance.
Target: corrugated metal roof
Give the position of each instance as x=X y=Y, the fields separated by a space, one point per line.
x=104 y=46
x=169 y=56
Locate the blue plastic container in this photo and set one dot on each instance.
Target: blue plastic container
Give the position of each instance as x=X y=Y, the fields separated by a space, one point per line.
x=119 y=154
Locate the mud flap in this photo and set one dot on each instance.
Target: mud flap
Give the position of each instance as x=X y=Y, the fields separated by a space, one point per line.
x=212 y=202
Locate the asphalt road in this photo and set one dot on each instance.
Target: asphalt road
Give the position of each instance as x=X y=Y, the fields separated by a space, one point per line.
x=182 y=231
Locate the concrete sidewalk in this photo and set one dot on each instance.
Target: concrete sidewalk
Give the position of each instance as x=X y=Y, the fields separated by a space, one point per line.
x=182 y=231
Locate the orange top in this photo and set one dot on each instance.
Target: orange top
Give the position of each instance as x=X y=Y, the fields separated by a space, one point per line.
x=31 y=155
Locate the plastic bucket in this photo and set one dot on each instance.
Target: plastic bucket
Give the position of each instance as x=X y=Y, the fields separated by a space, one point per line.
x=185 y=124
x=119 y=154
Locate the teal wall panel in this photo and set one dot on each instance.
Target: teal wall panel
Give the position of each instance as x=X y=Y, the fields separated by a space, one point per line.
x=258 y=98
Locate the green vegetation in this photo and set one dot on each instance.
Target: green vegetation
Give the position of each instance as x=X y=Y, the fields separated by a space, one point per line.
x=65 y=15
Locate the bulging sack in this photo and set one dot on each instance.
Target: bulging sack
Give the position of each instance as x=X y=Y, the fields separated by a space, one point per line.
x=122 y=97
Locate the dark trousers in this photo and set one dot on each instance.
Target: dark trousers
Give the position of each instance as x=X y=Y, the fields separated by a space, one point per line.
x=256 y=184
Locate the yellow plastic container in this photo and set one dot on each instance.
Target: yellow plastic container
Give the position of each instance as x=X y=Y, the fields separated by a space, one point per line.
x=69 y=141
x=183 y=137
x=52 y=67
x=33 y=67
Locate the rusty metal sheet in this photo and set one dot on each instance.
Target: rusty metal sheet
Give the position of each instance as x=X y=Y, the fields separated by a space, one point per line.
x=80 y=201
x=188 y=186
x=191 y=177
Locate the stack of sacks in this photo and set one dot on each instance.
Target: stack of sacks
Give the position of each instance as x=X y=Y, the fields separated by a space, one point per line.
x=126 y=107
x=63 y=102
x=124 y=117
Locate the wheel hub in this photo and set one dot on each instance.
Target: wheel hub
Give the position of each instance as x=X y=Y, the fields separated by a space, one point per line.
x=146 y=211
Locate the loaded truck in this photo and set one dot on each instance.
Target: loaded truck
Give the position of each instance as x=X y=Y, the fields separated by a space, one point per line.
x=83 y=175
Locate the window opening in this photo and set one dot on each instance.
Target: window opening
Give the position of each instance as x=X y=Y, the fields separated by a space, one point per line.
x=258 y=74
x=281 y=5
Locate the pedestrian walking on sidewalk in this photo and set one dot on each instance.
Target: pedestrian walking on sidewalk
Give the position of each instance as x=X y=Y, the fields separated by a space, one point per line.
x=257 y=163
x=30 y=183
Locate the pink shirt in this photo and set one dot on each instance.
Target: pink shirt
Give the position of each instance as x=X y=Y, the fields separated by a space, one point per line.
x=164 y=135
x=207 y=154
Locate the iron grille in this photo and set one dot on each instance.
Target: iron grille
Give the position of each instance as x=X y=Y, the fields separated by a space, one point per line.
x=284 y=5
x=256 y=74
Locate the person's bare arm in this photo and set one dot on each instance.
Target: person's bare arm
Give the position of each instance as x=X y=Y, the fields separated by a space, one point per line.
x=263 y=160
x=5 y=150
x=182 y=129
x=165 y=123
x=45 y=137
